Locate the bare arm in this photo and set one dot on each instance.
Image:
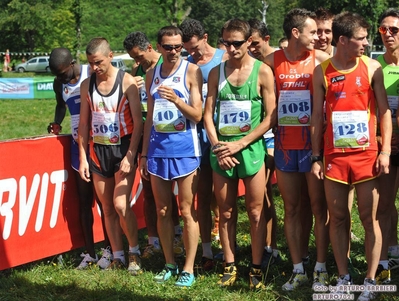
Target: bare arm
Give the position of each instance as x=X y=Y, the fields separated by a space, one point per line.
x=132 y=94
x=193 y=109
x=316 y=123
x=382 y=164
x=83 y=130
x=147 y=126
x=60 y=109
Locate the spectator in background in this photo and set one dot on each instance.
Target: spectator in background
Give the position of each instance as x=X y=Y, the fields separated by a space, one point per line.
x=260 y=49
x=69 y=76
x=283 y=43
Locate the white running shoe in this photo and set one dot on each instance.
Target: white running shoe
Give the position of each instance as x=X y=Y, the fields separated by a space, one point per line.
x=87 y=260
x=106 y=258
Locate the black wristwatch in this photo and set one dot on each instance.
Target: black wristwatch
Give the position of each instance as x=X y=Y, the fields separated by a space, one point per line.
x=314 y=159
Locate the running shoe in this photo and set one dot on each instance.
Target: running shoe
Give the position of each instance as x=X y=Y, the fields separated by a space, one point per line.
x=296 y=280
x=106 y=258
x=116 y=264
x=150 y=251
x=134 y=267
x=341 y=281
x=320 y=280
x=178 y=246
x=368 y=293
x=207 y=264
x=383 y=275
x=229 y=276
x=185 y=279
x=87 y=261
x=167 y=272
x=268 y=259
x=393 y=264
x=256 y=279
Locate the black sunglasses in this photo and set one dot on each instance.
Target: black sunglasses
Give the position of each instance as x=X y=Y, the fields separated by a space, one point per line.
x=236 y=44
x=171 y=47
x=391 y=29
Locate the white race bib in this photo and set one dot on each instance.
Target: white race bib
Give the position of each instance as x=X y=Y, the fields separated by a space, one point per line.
x=294 y=108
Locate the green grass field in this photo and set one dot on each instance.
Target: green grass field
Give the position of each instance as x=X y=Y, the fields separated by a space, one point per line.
x=48 y=279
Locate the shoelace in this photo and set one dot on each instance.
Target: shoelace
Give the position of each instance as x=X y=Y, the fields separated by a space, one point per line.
x=184 y=277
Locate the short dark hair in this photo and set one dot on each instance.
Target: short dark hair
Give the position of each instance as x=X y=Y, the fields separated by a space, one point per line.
x=259 y=27
x=390 y=12
x=59 y=57
x=296 y=18
x=323 y=14
x=98 y=44
x=346 y=23
x=237 y=25
x=191 y=28
x=136 y=39
x=169 y=31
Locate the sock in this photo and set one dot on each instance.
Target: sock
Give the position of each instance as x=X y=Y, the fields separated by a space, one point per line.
x=154 y=241
x=346 y=277
x=207 y=250
x=178 y=230
x=229 y=264
x=134 y=250
x=298 y=268
x=256 y=266
x=119 y=255
x=384 y=264
x=275 y=253
x=320 y=266
x=269 y=249
x=393 y=251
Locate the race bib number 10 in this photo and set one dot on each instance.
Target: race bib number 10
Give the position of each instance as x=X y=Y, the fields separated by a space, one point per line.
x=350 y=129
x=167 y=118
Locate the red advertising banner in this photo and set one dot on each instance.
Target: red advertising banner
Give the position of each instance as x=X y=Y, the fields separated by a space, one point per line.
x=39 y=203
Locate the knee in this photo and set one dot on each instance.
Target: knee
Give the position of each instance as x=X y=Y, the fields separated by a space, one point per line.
x=164 y=212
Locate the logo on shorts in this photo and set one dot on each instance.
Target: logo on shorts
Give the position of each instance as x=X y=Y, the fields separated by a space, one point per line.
x=329 y=167
x=176 y=79
x=255 y=162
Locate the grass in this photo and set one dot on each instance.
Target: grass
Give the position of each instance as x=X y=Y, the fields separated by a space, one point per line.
x=52 y=279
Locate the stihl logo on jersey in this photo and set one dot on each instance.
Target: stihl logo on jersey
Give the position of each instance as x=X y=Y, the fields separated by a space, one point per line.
x=20 y=196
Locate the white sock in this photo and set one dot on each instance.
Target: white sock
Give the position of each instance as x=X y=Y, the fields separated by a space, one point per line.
x=207 y=250
x=178 y=230
x=320 y=266
x=384 y=264
x=268 y=249
x=134 y=250
x=298 y=268
x=154 y=241
x=119 y=255
x=275 y=253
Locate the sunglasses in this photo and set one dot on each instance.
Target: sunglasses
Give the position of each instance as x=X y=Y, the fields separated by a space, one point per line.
x=171 y=47
x=391 y=29
x=236 y=44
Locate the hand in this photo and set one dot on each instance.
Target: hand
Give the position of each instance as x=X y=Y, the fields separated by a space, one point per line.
x=227 y=149
x=54 y=128
x=318 y=170
x=139 y=81
x=143 y=168
x=227 y=163
x=84 y=171
x=168 y=93
x=382 y=164
x=126 y=166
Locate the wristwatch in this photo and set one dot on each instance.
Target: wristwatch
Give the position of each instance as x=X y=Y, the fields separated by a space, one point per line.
x=314 y=159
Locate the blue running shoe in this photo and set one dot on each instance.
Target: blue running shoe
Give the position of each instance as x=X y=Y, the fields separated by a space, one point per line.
x=167 y=272
x=185 y=280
